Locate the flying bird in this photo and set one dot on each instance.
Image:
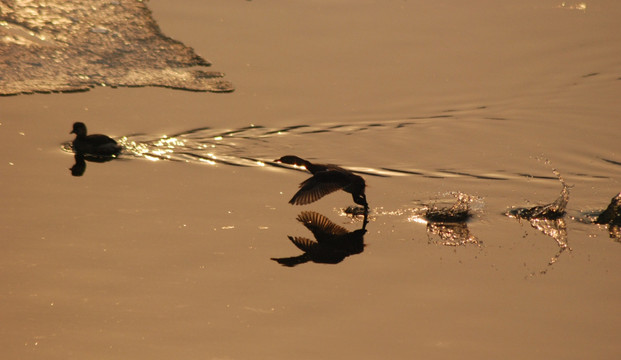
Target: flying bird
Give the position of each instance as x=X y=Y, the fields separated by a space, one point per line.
x=327 y=178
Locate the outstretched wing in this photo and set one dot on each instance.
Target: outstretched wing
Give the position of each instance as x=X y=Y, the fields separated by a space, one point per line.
x=318 y=186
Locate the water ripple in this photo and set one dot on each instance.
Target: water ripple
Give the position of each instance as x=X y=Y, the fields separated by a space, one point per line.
x=257 y=146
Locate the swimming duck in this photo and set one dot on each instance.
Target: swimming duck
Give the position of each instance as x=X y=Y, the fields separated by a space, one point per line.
x=326 y=179
x=96 y=144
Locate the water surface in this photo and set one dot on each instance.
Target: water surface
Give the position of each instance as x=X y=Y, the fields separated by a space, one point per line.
x=166 y=252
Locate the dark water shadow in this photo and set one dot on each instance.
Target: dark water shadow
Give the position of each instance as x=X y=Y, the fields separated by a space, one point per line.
x=79 y=166
x=618 y=163
x=548 y=219
x=332 y=244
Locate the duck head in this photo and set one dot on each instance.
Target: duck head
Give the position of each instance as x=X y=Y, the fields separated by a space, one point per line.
x=292 y=160
x=360 y=199
x=79 y=129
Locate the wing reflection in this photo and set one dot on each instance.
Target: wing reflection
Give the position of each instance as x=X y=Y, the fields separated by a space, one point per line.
x=332 y=244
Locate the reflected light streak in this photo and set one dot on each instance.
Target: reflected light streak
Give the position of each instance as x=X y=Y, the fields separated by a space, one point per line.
x=151 y=158
x=210 y=162
x=581 y=6
x=170 y=142
x=417 y=219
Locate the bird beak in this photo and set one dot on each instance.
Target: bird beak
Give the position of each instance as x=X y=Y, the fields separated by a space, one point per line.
x=72 y=132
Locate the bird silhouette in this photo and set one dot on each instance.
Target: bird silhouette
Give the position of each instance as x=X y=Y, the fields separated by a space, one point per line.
x=327 y=178
x=95 y=145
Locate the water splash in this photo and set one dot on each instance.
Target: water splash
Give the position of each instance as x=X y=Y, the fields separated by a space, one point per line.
x=449 y=222
x=459 y=211
x=612 y=214
x=612 y=218
x=550 y=211
x=549 y=219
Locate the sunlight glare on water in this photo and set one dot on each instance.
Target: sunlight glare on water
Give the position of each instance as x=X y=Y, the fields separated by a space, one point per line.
x=582 y=6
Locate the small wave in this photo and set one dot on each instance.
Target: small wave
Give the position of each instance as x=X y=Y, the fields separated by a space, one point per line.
x=258 y=146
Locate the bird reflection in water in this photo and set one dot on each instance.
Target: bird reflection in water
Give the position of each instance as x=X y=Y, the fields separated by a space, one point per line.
x=333 y=242
x=79 y=167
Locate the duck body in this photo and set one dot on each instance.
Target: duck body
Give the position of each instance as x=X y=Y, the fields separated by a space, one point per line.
x=96 y=144
x=327 y=178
